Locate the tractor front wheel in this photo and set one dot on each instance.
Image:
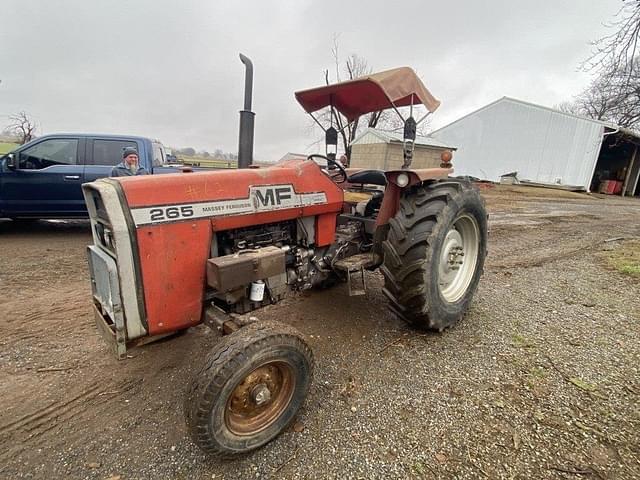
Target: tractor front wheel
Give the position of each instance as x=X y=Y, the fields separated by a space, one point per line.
x=249 y=389
x=434 y=253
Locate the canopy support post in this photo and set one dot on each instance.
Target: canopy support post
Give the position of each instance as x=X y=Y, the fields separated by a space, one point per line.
x=409 y=138
x=423 y=117
x=397 y=111
x=318 y=122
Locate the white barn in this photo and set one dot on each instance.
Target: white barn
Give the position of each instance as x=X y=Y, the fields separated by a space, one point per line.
x=543 y=145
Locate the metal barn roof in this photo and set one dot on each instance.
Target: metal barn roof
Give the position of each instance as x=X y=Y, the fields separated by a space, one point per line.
x=528 y=104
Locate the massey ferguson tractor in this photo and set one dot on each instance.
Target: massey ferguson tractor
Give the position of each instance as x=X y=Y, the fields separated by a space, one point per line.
x=172 y=251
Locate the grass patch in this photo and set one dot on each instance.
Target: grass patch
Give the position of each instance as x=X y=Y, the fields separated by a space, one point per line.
x=6 y=147
x=419 y=468
x=538 y=372
x=522 y=342
x=210 y=162
x=581 y=384
x=626 y=258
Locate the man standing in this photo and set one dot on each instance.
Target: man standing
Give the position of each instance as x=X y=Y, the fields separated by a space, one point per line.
x=129 y=165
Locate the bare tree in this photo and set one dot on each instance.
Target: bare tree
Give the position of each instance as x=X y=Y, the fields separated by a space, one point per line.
x=22 y=126
x=614 y=93
x=355 y=66
x=188 y=151
x=612 y=96
x=617 y=52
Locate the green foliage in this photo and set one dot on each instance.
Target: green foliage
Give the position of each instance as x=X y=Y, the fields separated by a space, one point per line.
x=626 y=258
x=521 y=341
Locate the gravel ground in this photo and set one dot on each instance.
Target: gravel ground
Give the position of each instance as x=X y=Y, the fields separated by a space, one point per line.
x=540 y=380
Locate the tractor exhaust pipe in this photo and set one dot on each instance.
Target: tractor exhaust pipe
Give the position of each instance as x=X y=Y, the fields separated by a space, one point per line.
x=245 y=142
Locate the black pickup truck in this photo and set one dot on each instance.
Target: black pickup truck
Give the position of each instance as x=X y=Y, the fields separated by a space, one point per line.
x=42 y=178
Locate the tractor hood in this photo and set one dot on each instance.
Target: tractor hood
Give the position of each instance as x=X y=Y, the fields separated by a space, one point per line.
x=398 y=87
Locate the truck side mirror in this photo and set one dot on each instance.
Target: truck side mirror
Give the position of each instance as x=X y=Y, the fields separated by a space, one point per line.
x=11 y=161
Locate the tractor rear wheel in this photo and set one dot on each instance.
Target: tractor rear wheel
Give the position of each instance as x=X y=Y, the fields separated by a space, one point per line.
x=249 y=389
x=434 y=253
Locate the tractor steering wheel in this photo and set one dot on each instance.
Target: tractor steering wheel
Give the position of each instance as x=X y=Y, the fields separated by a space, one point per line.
x=340 y=176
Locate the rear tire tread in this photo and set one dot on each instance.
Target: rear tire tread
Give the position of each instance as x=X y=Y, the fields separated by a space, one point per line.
x=413 y=235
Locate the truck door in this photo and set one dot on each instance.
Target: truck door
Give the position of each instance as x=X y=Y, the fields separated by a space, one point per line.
x=46 y=181
x=103 y=154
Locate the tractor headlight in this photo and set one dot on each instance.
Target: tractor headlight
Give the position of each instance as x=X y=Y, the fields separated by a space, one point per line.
x=402 y=180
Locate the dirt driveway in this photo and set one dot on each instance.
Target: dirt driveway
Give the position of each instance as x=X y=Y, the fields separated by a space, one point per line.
x=540 y=380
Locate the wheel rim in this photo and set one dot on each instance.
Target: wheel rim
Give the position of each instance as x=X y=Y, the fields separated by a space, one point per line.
x=458 y=258
x=260 y=398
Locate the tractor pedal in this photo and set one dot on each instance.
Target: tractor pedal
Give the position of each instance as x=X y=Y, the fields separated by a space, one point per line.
x=354 y=266
x=354 y=291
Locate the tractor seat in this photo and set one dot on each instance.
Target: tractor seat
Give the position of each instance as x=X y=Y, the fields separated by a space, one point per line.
x=372 y=177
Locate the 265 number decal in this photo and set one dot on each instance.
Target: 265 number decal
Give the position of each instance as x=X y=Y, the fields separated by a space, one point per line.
x=170 y=213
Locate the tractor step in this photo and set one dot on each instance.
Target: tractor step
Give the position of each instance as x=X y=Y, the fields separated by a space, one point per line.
x=354 y=266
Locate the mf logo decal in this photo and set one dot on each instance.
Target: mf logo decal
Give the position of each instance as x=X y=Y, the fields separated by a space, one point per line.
x=271 y=196
x=267 y=198
x=262 y=198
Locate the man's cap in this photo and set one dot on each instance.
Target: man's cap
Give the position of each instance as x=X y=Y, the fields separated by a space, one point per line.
x=126 y=151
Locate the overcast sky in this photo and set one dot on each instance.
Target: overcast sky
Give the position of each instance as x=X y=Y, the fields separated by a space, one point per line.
x=170 y=70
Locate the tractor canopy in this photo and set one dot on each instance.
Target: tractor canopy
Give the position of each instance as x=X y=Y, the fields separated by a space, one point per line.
x=398 y=87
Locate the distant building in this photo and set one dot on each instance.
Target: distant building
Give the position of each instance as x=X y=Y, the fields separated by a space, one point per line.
x=378 y=149
x=544 y=145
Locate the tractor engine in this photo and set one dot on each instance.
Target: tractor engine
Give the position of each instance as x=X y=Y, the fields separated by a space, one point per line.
x=168 y=247
x=257 y=266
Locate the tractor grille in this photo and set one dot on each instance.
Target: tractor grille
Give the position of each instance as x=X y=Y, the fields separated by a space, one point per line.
x=100 y=222
x=105 y=285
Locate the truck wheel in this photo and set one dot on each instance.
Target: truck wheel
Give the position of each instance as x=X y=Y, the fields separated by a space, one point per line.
x=249 y=389
x=434 y=253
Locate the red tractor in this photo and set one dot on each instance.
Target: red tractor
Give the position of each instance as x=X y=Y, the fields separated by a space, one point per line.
x=172 y=251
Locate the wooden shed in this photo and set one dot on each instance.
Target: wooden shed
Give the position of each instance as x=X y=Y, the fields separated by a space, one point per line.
x=382 y=150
